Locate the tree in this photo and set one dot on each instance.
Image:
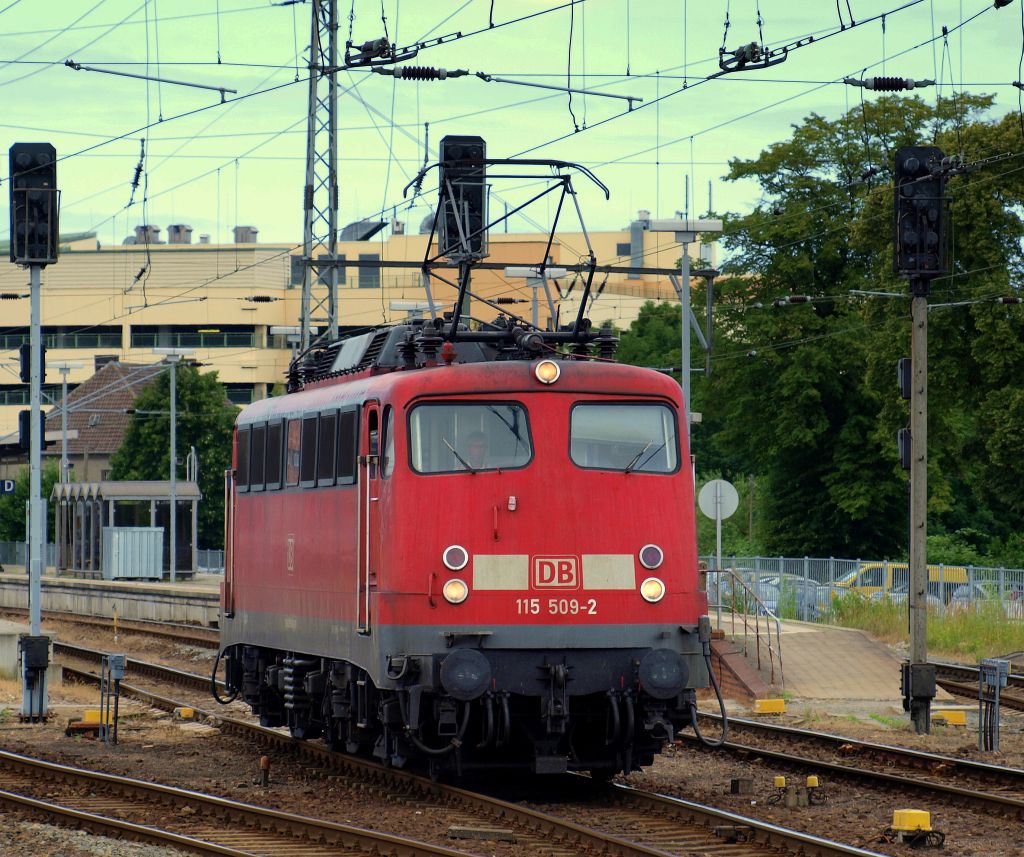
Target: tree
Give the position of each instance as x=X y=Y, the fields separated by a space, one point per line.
x=804 y=395
x=12 y=506
x=204 y=420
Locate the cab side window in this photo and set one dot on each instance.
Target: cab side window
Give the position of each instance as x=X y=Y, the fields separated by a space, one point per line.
x=387 y=462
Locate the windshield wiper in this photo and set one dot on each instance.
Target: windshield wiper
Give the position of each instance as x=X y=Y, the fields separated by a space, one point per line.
x=462 y=461
x=510 y=425
x=636 y=457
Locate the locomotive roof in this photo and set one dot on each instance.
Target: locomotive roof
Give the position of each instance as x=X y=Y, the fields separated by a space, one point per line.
x=500 y=378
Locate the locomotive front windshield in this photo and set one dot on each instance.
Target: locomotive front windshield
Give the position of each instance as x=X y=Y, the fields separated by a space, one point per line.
x=626 y=437
x=452 y=438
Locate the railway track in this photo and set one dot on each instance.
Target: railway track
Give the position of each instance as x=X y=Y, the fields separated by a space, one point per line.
x=127 y=809
x=196 y=635
x=962 y=680
x=620 y=820
x=993 y=788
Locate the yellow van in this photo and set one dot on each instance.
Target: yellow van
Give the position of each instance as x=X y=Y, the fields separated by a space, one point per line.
x=874 y=577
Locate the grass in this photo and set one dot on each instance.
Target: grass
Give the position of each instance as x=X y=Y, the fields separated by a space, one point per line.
x=982 y=632
x=889 y=722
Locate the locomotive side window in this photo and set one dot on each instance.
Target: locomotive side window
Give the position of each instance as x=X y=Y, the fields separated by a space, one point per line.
x=628 y=437
x=259 y=442
x=291 y=452
x=242 y=467
x=307 y=463
x=456 y=438
x=387 y=462
x=327 y=446
x=348 y=434
x=273 y=458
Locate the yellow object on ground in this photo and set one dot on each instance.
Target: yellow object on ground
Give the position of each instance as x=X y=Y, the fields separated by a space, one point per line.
x=769 y=706
x=185 y=713
x=780 y=782
x=92 y=715
x=954 y=717
x=911 y=819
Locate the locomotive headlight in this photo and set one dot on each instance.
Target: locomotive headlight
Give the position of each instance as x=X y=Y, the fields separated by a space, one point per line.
x=547 y=371
x=455 y=557
x=455 y=591
x=651 y=556
x=652 y=590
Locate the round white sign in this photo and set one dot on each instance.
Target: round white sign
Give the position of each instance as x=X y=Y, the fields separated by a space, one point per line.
x=718 y=499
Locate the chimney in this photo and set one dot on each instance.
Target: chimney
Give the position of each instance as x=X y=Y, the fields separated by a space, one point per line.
x=245 y=234
x=147 y=235
x=179 y=233
x=204 y=238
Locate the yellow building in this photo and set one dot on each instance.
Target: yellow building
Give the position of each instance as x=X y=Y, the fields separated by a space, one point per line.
x=105 y=303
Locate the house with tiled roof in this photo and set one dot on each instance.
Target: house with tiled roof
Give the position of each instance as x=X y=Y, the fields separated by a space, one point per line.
x=98 y=416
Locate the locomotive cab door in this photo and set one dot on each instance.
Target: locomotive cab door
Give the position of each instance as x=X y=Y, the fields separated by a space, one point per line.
x=369 y=494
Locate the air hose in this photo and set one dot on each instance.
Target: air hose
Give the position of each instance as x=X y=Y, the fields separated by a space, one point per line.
x=706 y=646
x=213 y=683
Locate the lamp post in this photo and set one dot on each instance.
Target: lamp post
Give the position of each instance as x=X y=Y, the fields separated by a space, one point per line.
x=64 y=367
x=686 y=233
x=537 y=277
x=173 y=356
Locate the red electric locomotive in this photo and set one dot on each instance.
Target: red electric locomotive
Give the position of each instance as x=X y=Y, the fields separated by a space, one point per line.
x=467 y=549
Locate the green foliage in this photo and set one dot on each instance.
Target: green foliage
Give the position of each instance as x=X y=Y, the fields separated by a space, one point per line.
x=983 y=631
x=804 y=395
x=204 y=420
x=12 y=506
x=653 y=340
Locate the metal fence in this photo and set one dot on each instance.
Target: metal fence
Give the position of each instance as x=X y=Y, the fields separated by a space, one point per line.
x=211 y=561
x=15 y=553
x=807 y=587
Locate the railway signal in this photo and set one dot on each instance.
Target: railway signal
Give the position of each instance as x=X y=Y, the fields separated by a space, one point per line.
x=919 y=254
x=462 y=210
x=34 y=206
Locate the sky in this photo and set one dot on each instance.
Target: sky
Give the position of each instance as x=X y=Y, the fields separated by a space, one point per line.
x=214 y=165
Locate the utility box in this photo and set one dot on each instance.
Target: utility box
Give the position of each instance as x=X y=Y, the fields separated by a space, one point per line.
x=133 y=553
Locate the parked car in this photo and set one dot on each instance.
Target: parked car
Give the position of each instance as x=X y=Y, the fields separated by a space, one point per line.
x=900 y=595
x=742 y=590
x=799 y=598
x=872 y=577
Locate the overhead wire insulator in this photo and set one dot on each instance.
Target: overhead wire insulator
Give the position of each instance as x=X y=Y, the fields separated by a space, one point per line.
x=792 y=299
x=420 y=72
x=260 y=299
x=888 y=84
x=11 y=296
x=1010 y=300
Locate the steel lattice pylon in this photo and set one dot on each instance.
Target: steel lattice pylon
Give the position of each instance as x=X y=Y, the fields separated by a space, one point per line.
x=320 y=203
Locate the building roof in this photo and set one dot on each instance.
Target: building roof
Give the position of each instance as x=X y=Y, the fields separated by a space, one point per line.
x=97 y=408
x=127 y=490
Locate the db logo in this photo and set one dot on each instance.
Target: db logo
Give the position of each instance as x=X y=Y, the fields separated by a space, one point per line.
x=555 y=572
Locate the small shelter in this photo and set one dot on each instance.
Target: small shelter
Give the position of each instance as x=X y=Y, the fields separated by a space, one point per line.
x=83 y=509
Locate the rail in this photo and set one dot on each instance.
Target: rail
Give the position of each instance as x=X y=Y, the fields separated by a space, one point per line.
x=744 y=601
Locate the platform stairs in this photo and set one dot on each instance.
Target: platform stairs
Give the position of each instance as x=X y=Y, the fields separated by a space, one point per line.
x=746 y=645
